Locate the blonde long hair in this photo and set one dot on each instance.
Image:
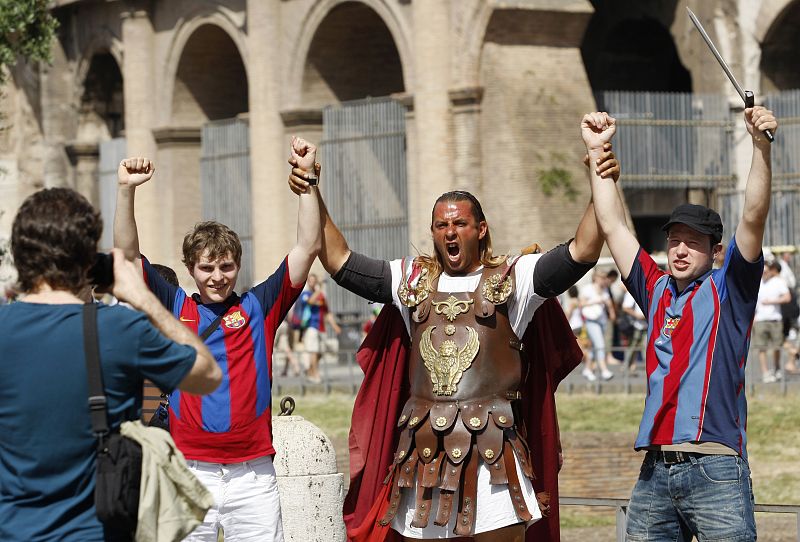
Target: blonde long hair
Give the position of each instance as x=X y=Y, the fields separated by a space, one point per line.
x=433 y=263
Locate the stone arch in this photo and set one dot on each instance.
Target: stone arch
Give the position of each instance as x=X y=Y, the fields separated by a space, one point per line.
x=333 y=30
x=103 y=42
x=780 y=67
x=101 y=109
x=205 y=79
x=768 y=13
x=528 y=68
x=471 y=42
x=215 y=37
x=99 y=99
x=633 y=50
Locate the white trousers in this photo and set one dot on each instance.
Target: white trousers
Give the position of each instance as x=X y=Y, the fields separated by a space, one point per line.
x=247 y=505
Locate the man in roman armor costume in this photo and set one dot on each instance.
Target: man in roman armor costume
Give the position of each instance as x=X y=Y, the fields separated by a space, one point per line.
x=459 y=460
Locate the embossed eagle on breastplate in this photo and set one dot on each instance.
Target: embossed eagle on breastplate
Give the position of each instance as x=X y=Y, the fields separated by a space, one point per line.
x=448 y=363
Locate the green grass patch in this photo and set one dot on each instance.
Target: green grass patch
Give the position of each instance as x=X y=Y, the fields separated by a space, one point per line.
x=773 y=444
x=331 y=413
x=580 y=413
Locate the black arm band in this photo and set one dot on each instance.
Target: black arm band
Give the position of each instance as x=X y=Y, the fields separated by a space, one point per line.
x=556 y=271
x=367 y=277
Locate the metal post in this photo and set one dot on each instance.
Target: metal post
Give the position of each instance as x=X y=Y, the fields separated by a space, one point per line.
x=797 y=516
x=784 y=379
x=622 y=522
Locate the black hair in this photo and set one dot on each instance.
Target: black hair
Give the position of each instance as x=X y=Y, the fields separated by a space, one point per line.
x=54 y=240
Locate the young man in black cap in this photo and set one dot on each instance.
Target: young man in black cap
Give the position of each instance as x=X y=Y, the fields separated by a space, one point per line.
x=695 y=480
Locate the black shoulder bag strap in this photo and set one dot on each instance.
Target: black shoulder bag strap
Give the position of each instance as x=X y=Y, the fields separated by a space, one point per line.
x=118 y=472
x=215 y=324
x=94 y=372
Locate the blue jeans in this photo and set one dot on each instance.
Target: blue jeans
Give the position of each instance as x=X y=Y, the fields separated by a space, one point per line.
x=595 y=329
x=709 y=497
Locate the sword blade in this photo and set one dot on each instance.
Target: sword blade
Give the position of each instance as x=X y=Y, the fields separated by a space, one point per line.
x=714 y=50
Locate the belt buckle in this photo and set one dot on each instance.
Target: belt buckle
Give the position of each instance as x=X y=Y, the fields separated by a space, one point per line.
x=672 y=458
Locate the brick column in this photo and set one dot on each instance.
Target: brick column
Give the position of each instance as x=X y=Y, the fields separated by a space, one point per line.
x=139 y=88
x=84 y=157
x=535 y=91
x=466 y=107
x=433 y=159
x=274 y=206
x=178 y=179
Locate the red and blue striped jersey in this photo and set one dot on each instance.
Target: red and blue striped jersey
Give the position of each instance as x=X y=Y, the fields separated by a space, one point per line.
x=697 y=347
x=233 y=423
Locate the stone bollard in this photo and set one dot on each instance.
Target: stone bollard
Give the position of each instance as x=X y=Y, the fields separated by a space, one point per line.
x=311 y=490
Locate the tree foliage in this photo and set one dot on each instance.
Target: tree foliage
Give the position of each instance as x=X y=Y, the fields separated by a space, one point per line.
x=26 y=30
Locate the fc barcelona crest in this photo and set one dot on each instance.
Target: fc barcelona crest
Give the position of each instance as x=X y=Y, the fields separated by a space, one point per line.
x=669 y=326
x=234 y=320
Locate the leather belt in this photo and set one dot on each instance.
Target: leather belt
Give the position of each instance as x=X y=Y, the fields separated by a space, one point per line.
x=674 y=457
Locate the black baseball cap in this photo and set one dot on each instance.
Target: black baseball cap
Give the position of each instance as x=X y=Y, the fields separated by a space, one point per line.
x=697 y=217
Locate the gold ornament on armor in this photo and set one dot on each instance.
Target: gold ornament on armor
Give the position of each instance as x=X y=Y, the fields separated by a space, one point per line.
x=417 y=293
x=452 y=307
x=447 y=365
x=496 y=289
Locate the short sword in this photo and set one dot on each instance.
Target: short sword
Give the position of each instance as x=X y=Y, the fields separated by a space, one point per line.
x=747 y=96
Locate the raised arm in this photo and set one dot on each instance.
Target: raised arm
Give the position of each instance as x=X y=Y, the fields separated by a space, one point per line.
x=334 y=251
x=132 y=172
x=607 y=201
x=309 y=237
x=750 y=232
x=564 y=265
x=362 y=275
x=331 y=319
x=205 y=374
x=588 y=241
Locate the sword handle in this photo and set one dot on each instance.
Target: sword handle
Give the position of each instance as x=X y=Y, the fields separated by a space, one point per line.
x=750 y=101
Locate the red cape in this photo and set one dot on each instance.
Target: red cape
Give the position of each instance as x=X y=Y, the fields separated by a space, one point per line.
x=552 y=351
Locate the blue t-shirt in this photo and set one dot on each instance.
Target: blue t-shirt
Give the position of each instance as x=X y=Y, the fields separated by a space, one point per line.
x=696 y=351
x=47 y=449
x=312 y=316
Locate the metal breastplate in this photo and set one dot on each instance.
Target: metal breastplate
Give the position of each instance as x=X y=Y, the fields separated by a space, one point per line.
x=462 y=344
x=465 y=372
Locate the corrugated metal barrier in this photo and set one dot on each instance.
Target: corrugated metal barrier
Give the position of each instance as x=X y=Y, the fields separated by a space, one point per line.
x=225 y=184
x=365 y=188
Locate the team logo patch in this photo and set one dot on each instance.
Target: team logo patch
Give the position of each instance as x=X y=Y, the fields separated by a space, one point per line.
x=234 y=320
x=669 y=326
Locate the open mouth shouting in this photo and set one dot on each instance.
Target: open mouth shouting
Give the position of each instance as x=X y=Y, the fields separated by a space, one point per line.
x=453 y=252
x=457 y=236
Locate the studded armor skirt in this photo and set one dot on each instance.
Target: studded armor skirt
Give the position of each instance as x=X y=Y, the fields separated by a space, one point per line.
x=442 y=445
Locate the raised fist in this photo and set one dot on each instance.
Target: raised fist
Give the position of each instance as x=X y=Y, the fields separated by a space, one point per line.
x=303 y=154
x=135 y=171
x=597 y=129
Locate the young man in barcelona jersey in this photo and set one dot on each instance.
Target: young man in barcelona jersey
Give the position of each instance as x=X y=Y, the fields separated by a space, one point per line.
x=695 y=479
x=226 y=437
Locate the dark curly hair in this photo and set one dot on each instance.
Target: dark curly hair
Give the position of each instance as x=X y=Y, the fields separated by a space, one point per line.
x=54 y=240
